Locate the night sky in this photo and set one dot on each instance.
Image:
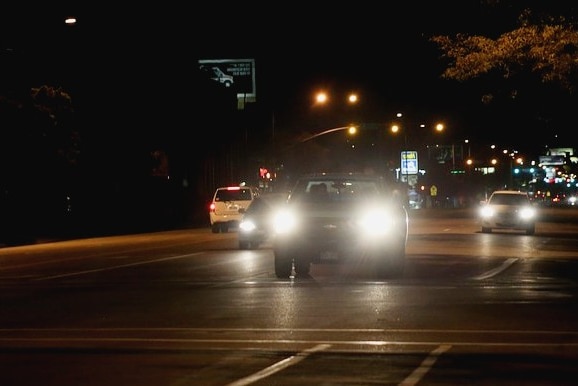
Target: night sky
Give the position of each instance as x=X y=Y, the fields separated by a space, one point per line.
x=132 y=72
x=131 y=68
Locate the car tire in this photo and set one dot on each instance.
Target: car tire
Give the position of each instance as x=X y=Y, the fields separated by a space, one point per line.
x=391 y=265
x=248 y=244
x=302 y=267
x=397 y=268
x=283 y=265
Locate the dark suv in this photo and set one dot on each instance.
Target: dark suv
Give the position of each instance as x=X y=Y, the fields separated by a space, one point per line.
x=332 y=218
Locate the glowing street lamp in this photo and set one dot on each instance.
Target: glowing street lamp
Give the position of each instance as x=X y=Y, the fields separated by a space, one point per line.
x=322 y=98
x=351 y=129
x=409 y=157
x=397 y=128
x=514 y=158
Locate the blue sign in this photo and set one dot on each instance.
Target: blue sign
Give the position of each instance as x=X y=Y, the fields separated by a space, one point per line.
x=409 y=163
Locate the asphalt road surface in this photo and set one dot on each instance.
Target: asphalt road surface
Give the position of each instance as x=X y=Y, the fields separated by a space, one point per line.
x=188 y=307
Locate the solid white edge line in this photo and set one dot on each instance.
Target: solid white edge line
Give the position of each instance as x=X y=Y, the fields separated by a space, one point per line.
x=116 y=267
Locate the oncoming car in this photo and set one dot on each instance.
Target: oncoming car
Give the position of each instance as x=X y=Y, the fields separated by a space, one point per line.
x=334 y=218
x=256 y=226
x=225 y=210
x=507 y=209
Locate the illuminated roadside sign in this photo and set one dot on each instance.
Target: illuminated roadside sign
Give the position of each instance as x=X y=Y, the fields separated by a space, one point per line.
x=550 y=160
x=237 y=74
x=409 y=162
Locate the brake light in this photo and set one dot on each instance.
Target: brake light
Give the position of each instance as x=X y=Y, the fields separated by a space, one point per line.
x=212 y=207
x=233 y=188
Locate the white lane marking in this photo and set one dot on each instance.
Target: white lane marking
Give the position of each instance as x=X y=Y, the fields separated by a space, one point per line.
x=425 y=366
x=294 y=359
x=117 y=267
x=493 y=272
x=293 y=330
x=332 y=343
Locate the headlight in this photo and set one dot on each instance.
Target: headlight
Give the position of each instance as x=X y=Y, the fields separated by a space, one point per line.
x=527 y=213
x=486 y=212
x=247 y=226
x=376 y=223
x=284 y=222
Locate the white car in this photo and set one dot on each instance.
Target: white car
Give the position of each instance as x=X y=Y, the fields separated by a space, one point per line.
x=227 y=207
x=507 y=209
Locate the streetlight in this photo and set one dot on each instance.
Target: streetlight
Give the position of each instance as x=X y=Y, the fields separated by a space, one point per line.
x=514 y=158
x=351 y=129
x=322 y=98
x=409 y=157
x=331 y=109
x=397 y=127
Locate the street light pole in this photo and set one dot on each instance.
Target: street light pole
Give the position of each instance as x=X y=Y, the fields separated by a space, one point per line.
x=352 y=130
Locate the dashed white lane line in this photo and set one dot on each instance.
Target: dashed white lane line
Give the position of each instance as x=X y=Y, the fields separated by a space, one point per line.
x=505 y=265
x=294 y=359
x=425 y=366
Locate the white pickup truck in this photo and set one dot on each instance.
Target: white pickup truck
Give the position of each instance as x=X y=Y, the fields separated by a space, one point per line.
x=216 y=74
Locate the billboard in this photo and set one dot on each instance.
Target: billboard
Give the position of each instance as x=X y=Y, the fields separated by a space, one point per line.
x=237 y=74
x=551 y=160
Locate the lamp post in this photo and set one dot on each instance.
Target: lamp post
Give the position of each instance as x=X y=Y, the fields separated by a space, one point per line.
x=513 y=159
x=331 y=109
x=351 y=129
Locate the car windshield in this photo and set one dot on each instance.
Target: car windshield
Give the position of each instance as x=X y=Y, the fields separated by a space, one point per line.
x=233 y=195
x=509 y=199
x=334 y=190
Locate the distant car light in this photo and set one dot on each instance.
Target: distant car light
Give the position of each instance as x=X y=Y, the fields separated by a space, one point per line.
x=507 y=209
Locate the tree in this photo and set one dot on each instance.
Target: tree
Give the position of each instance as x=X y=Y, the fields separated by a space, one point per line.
x=39 y=159
x=528 y=74
x=550 y=51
